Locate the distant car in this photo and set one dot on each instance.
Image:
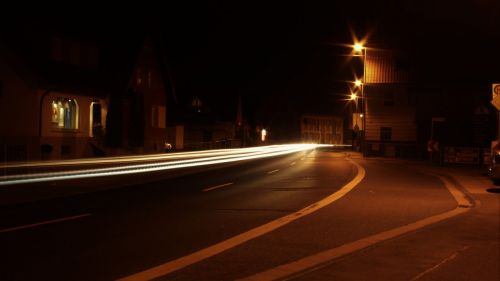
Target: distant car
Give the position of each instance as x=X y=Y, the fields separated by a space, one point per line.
x=494 y=170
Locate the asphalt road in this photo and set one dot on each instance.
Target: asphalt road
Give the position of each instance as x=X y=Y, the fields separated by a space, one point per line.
x=119 y=232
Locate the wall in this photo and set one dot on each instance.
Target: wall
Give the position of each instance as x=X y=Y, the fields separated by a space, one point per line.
x=147 y=79
x=68 y=143
x=18 y=118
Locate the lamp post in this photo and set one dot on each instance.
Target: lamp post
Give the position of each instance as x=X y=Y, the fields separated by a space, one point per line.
x=360 y=50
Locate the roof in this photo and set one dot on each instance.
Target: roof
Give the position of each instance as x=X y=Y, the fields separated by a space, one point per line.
x=87 y=62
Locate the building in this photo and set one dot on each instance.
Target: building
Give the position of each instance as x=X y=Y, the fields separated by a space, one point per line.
x=322 y=129
x=194 y=126
x=390 y=105
x=80 y=94
x=406 y=111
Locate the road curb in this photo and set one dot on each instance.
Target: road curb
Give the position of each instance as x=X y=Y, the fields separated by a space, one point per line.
x=465 y=203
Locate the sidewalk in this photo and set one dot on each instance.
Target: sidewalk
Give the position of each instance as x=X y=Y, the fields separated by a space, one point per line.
x=474 y=179
x=466 y=247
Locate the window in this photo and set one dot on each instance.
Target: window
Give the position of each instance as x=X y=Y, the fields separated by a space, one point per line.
x=412 y=99
x=139 y=79
x=150 y=74
x=389 y=99
x=158 y=115
x=92 y=56
x=385 y=133
x=57 y=49
x=75 y=53
x=64 y=113
x=96 y=127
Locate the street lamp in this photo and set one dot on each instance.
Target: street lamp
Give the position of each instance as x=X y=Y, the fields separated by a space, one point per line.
x=358 y=47
x=360 y=50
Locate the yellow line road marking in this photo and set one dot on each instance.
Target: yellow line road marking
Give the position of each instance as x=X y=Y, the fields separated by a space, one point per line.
x=273 y=171
x=315 y=261
x=234 y=241
x=43 y=223
x=217 y=186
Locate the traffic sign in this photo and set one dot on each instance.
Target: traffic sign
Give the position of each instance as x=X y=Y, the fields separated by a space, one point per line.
x=433 y=146
x=495 y=90
x=496 y=102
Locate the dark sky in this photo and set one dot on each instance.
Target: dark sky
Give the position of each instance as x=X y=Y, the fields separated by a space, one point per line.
x=289 y=56
x=279 y=53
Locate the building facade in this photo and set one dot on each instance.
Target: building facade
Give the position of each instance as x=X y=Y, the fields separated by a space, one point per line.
x=321 y=129
x=76 y=96
x=390 y=106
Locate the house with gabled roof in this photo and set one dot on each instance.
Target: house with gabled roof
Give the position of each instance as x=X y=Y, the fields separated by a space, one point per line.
x=79 y=94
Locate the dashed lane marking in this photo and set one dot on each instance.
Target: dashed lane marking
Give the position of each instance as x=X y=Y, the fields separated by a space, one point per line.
x=218 y=186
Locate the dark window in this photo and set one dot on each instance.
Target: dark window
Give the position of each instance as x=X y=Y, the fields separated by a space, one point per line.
x=65 y=150
x=150 y=74
x=412 y=99
x=402 y=64
x=92 y=56
x=57 y=49
x=75 y=53
x=16 y=152
x=385 y=133
x=389 y=99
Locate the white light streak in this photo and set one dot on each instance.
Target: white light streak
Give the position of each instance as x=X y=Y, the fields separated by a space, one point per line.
x=169 y=162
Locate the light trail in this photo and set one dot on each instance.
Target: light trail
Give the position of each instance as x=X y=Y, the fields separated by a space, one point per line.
x=135 y=158
x=196 y=159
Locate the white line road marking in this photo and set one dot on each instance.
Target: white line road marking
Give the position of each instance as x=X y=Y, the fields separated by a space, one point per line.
x=315 y=261
x=273 y=171
x=217 y=186
x=171 y=266
x=43 y=223
x=293 y=163
x=447 y=259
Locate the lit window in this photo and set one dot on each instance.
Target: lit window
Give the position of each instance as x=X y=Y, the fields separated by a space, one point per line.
x=64 y=113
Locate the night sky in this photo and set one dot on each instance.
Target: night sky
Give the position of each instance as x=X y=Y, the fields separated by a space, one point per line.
x=291 y=57
x=293 y=53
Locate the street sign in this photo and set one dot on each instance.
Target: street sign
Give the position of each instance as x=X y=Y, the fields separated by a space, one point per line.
x=433 y=146
x=496 y=102
x=495 y=90
x=461 y=155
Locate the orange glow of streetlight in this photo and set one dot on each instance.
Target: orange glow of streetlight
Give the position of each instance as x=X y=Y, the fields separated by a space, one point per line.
x=358 y=83
x=358 y=47
x=353 y=96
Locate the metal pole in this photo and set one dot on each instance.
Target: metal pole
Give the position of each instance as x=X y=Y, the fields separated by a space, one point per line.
x=364 y=100
x=432 y=138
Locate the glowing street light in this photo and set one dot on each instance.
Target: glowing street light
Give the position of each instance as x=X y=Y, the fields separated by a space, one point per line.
x=353 y=96
x=358 y=47
x=360 y=50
